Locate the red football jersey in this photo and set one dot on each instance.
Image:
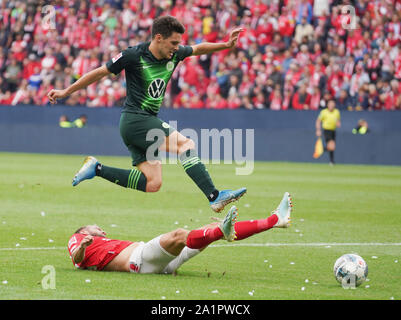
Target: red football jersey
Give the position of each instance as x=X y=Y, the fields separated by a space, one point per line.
x=99 y=253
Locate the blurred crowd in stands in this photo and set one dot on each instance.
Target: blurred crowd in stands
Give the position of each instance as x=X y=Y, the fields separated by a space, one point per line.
x=293 y=54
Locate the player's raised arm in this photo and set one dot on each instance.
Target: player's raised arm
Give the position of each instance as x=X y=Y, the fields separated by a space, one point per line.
x=79 y=253
x=209 y=47
x=86 y=80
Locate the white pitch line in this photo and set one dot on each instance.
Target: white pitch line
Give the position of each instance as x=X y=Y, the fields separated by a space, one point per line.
x=296 y=244
x=37 y=248
x=305 y=244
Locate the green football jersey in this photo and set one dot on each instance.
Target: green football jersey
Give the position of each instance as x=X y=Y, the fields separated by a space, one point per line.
x=146 y=76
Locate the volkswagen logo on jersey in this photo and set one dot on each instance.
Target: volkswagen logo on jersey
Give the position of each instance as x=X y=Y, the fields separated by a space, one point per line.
x=156 y=88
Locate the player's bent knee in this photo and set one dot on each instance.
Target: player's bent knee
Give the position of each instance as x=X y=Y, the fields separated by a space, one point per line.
x=180 y=236
x=153 y=185
x=188 y=144
x=331 y=145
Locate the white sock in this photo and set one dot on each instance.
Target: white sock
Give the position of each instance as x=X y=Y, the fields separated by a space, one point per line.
x=184 y=256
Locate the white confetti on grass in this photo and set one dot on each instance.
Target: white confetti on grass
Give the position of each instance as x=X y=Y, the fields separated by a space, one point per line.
x=251 y=293
x=4 y=282
x=177 y=292
x=303 y=289
x=88 y=280
x=215 y=291
x=374 y=257
x=42 y=213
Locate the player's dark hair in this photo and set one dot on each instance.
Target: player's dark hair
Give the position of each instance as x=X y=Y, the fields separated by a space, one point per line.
x=165 y=26
x=80 y=229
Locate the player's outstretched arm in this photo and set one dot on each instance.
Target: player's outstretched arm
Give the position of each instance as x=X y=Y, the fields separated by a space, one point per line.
x=209 y=47
x=86 y=80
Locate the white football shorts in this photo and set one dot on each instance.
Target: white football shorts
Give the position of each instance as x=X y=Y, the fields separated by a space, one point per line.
x=150 y=257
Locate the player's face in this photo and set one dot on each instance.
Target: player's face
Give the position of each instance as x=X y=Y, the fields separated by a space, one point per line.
x=331 y=105
x=95 y=230
x=168 y=46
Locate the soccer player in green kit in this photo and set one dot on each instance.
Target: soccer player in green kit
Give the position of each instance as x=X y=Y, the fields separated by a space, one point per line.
x=148 y=68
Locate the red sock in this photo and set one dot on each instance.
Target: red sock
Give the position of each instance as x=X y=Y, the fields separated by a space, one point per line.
x=200 y=238
x=245 y=229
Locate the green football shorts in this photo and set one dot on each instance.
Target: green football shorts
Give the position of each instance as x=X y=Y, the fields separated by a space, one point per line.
x=143 y=135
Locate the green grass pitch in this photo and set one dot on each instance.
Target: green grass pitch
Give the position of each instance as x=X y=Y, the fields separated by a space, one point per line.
x=337 y=210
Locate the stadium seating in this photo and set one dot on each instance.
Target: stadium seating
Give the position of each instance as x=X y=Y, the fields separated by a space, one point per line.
x=293 y=54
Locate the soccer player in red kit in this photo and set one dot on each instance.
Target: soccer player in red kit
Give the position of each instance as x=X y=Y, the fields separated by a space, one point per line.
x=90 y=249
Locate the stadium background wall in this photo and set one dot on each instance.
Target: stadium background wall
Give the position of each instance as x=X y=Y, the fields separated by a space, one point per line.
x=278 y=135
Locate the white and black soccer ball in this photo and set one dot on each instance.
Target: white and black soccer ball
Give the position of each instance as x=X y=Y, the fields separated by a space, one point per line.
x=350 y=270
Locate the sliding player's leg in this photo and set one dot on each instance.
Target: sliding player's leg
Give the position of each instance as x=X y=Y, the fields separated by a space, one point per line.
x=168 y=252
x=155 y=255
x=280 y=218
x=231 y=230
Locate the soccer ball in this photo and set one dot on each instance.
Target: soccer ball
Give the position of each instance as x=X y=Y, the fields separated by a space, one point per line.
x=350 y=270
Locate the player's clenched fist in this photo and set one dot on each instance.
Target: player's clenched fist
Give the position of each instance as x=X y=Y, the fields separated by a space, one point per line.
x=87 y=241
x=54 y=94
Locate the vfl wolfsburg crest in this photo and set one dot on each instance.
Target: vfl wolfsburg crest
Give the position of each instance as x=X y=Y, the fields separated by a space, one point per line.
x=156 y=88
x=170 y=65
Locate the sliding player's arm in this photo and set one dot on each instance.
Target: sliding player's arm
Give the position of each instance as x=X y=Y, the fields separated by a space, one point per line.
x=78 y=255
x=86 y=80
x=209 y=47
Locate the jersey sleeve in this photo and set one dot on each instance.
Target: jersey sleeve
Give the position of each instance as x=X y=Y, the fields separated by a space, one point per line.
x=74 y=242
x=183 y=52
x=121 y=61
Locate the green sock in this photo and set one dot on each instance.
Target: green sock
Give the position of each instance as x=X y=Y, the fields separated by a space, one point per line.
x=133 y=178
x=197 y=171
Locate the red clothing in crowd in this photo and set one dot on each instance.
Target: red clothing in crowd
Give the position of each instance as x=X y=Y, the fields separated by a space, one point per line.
x=300 y=102
x=286 y=26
